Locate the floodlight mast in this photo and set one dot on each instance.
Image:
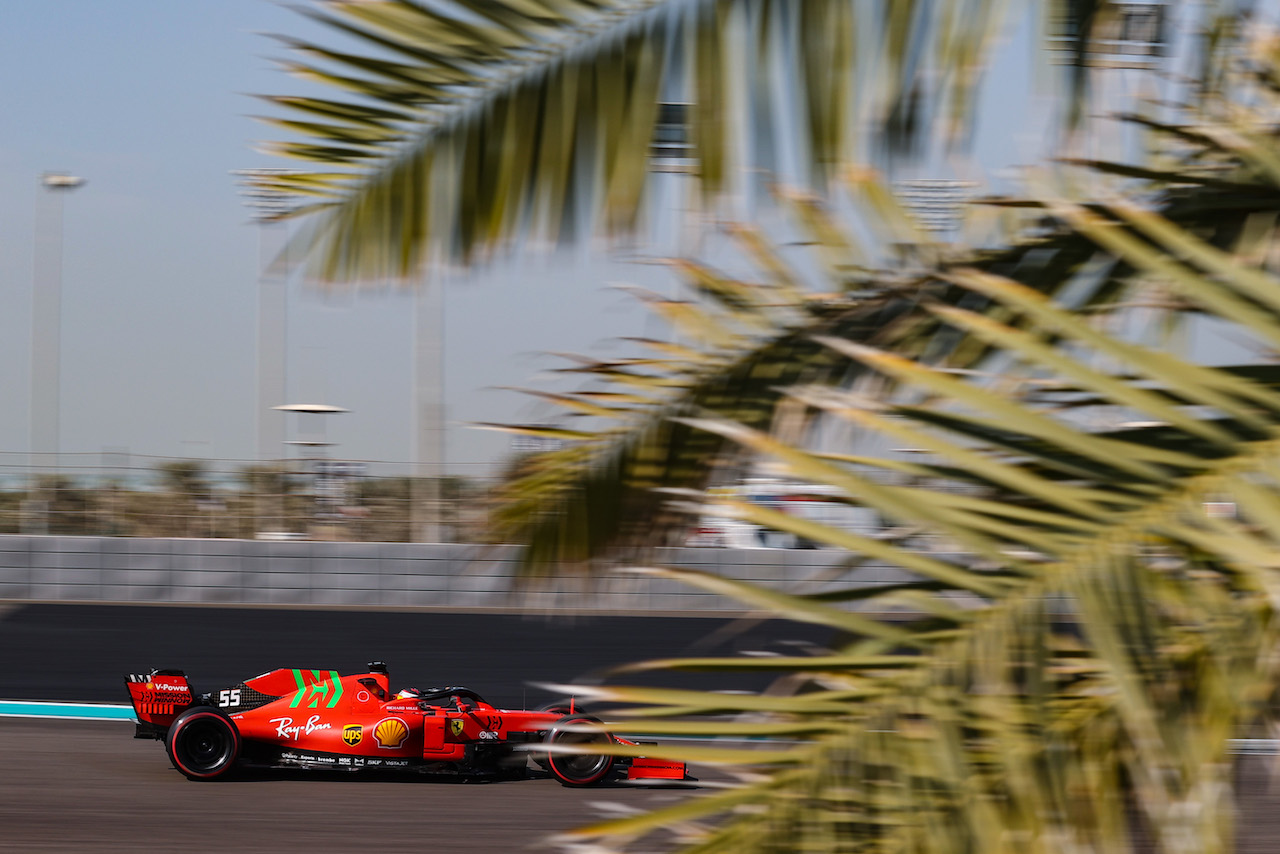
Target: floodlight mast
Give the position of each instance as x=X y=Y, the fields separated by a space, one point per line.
x=61 y=181
x=328 y=477
x=46 y=333
x=315 y=413
x=269 y=204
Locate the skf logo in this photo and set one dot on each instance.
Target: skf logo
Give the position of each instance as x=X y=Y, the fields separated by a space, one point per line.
x=390 y=733
x=353 y=734
x=455 y=726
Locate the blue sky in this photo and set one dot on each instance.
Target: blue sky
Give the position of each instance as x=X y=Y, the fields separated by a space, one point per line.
x=148 y=100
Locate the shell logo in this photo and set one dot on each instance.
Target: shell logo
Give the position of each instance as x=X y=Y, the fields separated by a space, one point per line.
x=390 y=733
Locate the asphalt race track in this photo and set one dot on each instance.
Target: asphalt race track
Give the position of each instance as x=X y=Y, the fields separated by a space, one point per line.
x=89 y=786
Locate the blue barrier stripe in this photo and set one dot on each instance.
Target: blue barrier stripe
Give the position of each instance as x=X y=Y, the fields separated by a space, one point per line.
x=66 y=711
x=118 y=712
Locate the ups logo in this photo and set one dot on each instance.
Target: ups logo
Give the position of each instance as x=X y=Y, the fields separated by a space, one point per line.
x=353 y=734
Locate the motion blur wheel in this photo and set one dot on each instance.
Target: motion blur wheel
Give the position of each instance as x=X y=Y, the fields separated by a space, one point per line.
x=203 y=743
x=578 y=769
x=562 y=709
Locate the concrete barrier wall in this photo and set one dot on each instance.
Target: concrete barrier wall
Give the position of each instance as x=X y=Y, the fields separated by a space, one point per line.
x=406 y=575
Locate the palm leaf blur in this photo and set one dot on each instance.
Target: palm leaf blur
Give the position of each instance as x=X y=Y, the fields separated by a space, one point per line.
x=750 y=339
x=1092 y=523
x=447 y=130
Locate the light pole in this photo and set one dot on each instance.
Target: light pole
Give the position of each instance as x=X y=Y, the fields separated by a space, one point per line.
x=426 y=500
x=270 y=204
x=46 y=335
x=325 y=477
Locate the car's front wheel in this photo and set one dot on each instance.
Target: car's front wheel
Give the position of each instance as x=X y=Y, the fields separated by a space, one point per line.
x=578 y=769
x=203 y=743
x=559 y=708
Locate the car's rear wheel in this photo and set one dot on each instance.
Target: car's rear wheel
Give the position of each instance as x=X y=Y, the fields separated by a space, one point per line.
x=578 y=769
x=203 y=743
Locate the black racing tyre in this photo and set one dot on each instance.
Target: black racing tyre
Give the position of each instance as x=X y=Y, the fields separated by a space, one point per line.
x=203 y=743
x=578 y=769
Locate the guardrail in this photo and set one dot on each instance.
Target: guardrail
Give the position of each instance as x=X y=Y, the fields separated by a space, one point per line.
x=394 y=575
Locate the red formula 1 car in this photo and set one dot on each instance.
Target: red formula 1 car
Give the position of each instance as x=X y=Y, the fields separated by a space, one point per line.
x=318 y=719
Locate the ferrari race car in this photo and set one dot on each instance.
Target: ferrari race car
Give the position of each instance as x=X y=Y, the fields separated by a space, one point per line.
x=318 y=719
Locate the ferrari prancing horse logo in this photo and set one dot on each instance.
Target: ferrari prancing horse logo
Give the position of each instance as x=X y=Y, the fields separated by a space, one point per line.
x=455 y=726
x=352 y=734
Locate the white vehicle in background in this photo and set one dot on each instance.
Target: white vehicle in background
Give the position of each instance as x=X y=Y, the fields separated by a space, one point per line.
x=814 y=502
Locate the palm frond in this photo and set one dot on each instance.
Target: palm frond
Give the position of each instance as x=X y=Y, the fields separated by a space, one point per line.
x=1123 y=640
x=458 y=127
x=750 y=340
x=1094 y=529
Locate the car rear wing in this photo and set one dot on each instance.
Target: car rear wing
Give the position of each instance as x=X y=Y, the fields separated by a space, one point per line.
x=158 y=697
